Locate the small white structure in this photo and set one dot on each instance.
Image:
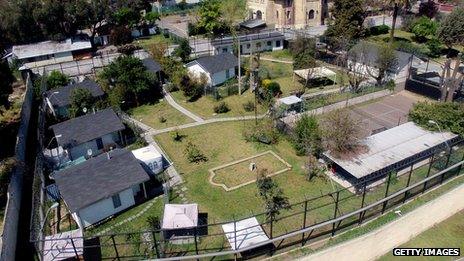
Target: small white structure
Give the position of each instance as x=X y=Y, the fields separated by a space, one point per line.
x=179 y=220
x=52 y=52
x=290 y=104
x=315 y=73
x=244 y=233
x=151 y=158
x=250 y=43
x=217 y=69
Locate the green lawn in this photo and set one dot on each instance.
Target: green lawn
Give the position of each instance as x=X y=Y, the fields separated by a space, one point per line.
x=146 y=42
x=449 y=233
x=204 y=107
x=283 y=55
x=153 y=115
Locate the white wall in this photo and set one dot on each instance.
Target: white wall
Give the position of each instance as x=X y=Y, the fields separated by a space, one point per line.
x=104 y=208
x=196 y=71
x=81 y=150
x=220 y=77
x=248 y=47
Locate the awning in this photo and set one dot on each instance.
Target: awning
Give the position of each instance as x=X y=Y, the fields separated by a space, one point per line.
x=248 y=233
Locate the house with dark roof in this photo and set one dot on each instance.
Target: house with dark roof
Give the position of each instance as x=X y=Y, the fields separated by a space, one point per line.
x=218 y=68
x=102 y=186
x=59 y=100
x=89 y=135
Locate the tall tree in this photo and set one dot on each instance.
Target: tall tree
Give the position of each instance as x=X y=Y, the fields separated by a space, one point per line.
x=397 y=5
x=183 y=51
x=272 y=195
x=209 y=16
x=451 y=30
x=348 y=19
x=93 y=13
x=18 y=22
x=385 y=60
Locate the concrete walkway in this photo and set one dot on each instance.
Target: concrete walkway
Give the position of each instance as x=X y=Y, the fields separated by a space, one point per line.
x=396 y=233
x=176 y=106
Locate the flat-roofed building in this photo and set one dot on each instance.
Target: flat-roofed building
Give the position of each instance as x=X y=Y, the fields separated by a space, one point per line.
x=393 y=150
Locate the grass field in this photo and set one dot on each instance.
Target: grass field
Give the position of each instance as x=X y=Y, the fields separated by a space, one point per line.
x=154 y=114
x=283 y=55
x=204 y=107
x=449 y=233
x=157 y=39
x=240 y=173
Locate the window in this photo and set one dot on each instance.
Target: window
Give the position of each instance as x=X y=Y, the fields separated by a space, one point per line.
x=269 y=43
x=288 y=14
x=311 y=15
x=278 y=43
x=116 y=201
x=277 y=15
x=99 y=143
x=248 y=46
x=227 y=74
x=258 y=45
x=224 y=50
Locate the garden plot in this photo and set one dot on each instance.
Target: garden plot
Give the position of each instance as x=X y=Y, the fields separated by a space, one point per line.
x=241 y=172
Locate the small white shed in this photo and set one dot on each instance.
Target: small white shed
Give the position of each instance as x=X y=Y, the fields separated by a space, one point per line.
x=151 y=158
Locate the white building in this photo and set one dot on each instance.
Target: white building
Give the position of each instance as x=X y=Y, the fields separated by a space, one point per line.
x=52 y=52
x=250 y=43
x=89 y=135
x=102 y=186
x=151 y=158
x=217 y=69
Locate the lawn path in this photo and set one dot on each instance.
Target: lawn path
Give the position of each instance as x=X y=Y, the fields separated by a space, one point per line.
x=396 y=233
x=183 y=110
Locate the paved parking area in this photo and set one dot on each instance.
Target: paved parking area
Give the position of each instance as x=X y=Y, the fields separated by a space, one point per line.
x=386 y=113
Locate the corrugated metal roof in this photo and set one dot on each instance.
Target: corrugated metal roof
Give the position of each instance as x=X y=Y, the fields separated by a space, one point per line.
x=51 y=47
x=391 y=146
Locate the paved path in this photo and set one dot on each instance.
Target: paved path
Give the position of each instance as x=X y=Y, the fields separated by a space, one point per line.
x=396 y=233
x=176 y=106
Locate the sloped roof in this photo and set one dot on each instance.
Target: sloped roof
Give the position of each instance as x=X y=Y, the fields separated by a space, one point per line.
x=244 y=233
x=177 y=216
x=62 y=96
x=86 y=128
x=151 y=65
x=217 y=63
x=99 y=178
x=391 y=146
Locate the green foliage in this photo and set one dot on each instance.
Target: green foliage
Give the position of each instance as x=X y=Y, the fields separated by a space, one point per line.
x=80 y=98
x=57 y=79
x=210 y=17
x=128 y=77
x=177 y=136
x=314 y=168
x=348 y=20
x=183 y=51
x=428 y=9
x=249 y=106
x=264 y=131
x=270 y=88
x=386 y=60
x=272 y=195
x=7 y=79
x=128 y=49
x=126 y=16
x=435 y=47
x=304 y=52
x=451 y=31
x=153 y=222
x=222 y=107
x=191 y=87
x=120 y=35
x=423 y=28
x=193 y=153
x=379 y=29
x=448 y=115
x=151 y=17
x=306 y=136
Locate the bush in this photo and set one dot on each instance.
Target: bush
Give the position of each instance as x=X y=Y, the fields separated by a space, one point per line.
x=222 y=107
x=153 y=222
x=249 y=106
x=307 y=136
x=194 y=155
x=435 y=47
x=57 y=79
x=162 y=119
x=448 y=115
x=424 y=27
x=380 y=29
x=271 y=88
x=176 y=136
x=128 y=49
x=264 y=132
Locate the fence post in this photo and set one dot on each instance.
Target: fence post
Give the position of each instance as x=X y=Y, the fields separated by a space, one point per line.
x=74 y=247
x=335 y=212
x=115 y=248
x=362 y=202
x=304 y=222
x=155 y=244
x=386 y=192
x=428 y=172
x=406 y=193
x=196 y=241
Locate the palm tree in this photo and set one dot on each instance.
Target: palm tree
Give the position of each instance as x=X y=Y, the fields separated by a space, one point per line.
x=397 y=4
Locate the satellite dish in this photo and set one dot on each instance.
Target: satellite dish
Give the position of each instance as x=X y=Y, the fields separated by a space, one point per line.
x=89 y=152
x=84 y=110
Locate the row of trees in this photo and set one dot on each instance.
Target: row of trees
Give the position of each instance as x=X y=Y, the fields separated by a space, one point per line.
x=25 y=21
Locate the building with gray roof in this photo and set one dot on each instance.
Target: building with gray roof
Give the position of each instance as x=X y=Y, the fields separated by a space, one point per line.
x=250 y=43
x=218 y=68
x=89 y=135
x=102 y=186
x=58 y=100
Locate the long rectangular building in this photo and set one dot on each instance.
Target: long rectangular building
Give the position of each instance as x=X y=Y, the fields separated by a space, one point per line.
x=391 y=150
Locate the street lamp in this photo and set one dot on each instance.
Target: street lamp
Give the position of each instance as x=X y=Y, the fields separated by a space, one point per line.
x=55 y=205
x=439 y=129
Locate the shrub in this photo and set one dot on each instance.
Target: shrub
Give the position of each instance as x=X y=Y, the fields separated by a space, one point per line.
x=57 y=79
x=222 y=107
x=435 y=47
x=448 y=115
x=193 y=153
x=176 y=136
x=380 y=29
x=423 y=28
x=249 y=106
x=153 y=222
x=272 y=89
x=307 y=136
x=162 y=119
